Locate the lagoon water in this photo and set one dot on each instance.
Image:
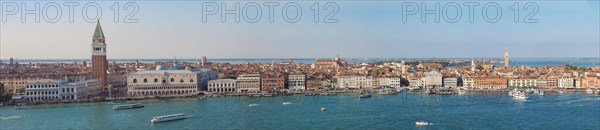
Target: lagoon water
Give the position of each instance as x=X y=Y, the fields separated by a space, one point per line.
x=345 y=111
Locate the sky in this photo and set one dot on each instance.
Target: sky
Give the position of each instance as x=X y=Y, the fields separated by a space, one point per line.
x=364 y=29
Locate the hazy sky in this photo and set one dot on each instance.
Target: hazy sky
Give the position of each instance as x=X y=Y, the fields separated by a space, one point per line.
x=364 y=29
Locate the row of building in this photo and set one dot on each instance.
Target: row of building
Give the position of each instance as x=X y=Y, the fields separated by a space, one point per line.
x=54 y=90
x=258 y=83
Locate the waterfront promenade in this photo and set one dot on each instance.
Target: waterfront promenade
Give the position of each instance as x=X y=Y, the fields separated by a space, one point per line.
x=346 y=111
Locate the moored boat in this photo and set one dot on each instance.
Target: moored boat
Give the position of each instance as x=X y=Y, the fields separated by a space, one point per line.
x=128 y=106
x=366 y=95
x=590 y=91
x=461 y=91
x=173 y=117
x=287 y=103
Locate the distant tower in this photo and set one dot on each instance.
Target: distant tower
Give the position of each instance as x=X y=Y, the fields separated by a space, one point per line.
x=203 y=60
x=506 y=57
x=99 y=62
x=337 y=57
x=403 y=66
x=11 y=61
x=472 y=65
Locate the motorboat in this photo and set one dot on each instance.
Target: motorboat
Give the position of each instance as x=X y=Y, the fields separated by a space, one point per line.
x=521 y=96
x=541 y=93
x=590 y=91
x=323 y=109
x=287 y=103
x=128 y=106
x=253 y=104
x=422 y=123
x=173 y=117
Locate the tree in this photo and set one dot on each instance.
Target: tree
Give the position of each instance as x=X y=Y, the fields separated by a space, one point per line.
x=479 y=67
x=4 y=96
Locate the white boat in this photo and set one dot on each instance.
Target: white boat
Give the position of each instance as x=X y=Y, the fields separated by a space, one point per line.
x=253 y=104
x=562 y=91
x=323 y=109
x=461 y=91
x=590 y=91
x=422 y=123
x=520 y=96
x=287 y=103
x=168 y=118
x=128 y=106
x=541 y=93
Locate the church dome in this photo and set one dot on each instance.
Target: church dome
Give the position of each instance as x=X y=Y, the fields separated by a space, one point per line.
x=160 y=67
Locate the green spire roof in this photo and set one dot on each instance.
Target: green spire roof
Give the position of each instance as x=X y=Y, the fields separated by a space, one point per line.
x=98 y=33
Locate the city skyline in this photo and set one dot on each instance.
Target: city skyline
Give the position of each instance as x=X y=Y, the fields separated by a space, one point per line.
x=376 y=33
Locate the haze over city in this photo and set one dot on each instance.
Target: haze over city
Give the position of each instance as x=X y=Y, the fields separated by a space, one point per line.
x=374 y=29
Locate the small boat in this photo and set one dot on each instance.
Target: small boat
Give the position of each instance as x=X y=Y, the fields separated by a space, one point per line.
x=461 y=91
x=429 y=91
x=366 y=95
x=323 y=109
x=590 y=91
x=253 y=104
x=421 y=123
x=386 y=92
x=521 y=96
x=173 y=117
x=119 y=102
x=541 y=93
x=287 y=103
x=128 y=106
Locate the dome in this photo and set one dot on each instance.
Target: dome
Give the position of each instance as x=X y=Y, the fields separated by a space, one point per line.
x=176 y=66
x=160 y=67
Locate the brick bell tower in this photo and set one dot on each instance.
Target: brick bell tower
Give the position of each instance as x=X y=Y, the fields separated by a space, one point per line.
x=99 y=62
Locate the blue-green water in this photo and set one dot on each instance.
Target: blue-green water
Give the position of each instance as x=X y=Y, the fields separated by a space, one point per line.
x=345 y=111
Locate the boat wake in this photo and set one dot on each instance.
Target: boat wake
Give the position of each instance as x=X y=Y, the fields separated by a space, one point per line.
x=11 y=117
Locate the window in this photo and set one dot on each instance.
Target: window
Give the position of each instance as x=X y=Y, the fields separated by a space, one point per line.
x=181 y=80
x=155 y=80
x=145 y=80
x=134 y=80
x=191 y=80
x=164 y=81
x=172 y=80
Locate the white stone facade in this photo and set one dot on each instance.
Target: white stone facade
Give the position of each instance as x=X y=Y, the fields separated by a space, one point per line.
x=43 y=90
x=249 y=82
x=297 y=82
x=222 y=86
x=566 y=83
x=354 y=82
x=163 y=83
